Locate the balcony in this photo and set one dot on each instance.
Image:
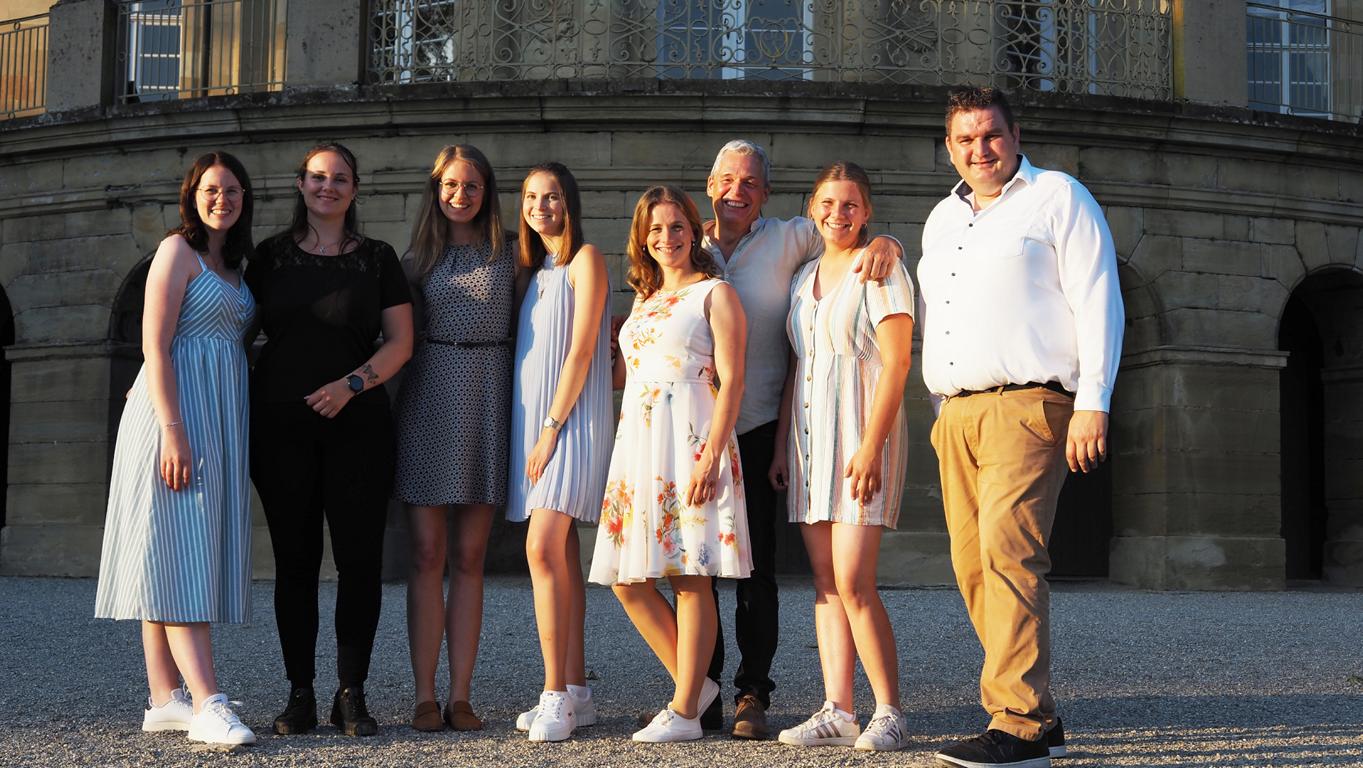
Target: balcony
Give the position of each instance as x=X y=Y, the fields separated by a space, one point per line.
x=23 y=66
x=1302 y=61
x=1108 y=47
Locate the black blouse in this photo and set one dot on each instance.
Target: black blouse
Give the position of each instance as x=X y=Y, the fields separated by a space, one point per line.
x=321 y=314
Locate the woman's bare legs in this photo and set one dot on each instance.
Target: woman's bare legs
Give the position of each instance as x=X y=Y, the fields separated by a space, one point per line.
x=163 y=677
x=191 y=646
x=856 y=548
x=682 y=641
x=426 y=615
x=553 y=584
x=464 y=605
x=837 y=651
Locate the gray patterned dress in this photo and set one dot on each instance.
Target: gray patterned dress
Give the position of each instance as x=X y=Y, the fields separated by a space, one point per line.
x=454 y=404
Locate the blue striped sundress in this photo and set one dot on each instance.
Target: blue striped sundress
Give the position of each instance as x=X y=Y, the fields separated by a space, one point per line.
x=838 y=370
x=575 y=478
x=185 y=556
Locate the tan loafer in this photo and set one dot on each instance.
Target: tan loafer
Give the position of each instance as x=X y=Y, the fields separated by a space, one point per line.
x=427 y=717
x=460 y=717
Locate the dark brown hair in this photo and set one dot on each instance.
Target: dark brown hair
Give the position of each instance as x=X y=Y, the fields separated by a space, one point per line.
x=192 y=229
x=299 y=225
x=531 y=245
x=429 y=234
x=968 y=99
x=645 y=276
x=844 y=170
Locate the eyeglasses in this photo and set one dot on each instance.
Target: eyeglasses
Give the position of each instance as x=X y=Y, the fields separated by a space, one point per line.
x=472 y=188
x=213 y=193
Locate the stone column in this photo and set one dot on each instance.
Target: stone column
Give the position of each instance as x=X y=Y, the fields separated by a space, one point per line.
x=1210 y=54
x=80 y=54
x=1196 y=497
x=325 y=44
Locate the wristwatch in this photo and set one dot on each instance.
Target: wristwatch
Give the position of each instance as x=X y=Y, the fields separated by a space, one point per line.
x=355 y=383
x=551 y=423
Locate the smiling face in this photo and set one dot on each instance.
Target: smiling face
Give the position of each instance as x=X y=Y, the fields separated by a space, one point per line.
x=840 y=212
x=218 y=198
x=983 y=150
x=460 y=192
x=669 y=236
x=328 y=186
x=737 y=190
x=542 y=205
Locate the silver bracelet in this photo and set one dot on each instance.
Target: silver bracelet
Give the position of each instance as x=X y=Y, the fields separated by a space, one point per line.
x=171 y=424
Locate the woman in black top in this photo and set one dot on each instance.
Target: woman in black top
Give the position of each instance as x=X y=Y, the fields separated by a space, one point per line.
x=321 y=436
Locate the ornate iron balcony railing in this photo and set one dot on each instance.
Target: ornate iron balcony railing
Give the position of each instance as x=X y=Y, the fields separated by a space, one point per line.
x=176 y=49
x=1304 y=63
x=1115 y=47
x=23 y=66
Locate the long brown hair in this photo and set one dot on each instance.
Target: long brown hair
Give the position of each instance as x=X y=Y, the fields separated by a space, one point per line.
x=844 y=170
x=238 y=242
x=645 y=276
x=532 y=250
x=430 y=233
x=299 y=225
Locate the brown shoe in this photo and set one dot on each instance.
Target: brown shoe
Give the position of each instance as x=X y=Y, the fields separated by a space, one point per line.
x=461 y=718
x=427 y=717
x=750 y=719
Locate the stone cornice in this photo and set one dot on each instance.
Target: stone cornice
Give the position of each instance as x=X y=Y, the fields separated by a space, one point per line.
x=1273 y=359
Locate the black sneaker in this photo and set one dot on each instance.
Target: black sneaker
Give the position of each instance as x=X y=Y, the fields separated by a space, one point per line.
x=712 y=719
x=996 y=749
x=300 y=715
x=1055 y=740
x=350 y=715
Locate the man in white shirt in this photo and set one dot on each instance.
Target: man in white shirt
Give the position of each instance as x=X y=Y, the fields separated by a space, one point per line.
x=1022 y=331
x=760 y=256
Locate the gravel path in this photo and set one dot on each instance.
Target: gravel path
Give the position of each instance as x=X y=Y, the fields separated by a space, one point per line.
x=1148 y=679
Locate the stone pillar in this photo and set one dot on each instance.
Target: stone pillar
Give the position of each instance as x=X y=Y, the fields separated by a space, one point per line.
x=325 y=44
x=1210 y=54
x=80 y=54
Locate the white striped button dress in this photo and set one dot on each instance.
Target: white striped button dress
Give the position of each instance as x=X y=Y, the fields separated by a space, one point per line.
x=575 y=477
x=185 y=556
x=834 y=338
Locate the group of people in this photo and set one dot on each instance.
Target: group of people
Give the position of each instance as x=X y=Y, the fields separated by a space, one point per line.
x=762 y=358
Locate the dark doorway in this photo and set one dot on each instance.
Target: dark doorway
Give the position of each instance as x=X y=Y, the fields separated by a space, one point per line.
x=1303 y=443
x=1083 y=525
x=125 y=331
x=6 y=341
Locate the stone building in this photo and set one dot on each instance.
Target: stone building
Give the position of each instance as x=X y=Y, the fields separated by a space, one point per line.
x=1221 y=138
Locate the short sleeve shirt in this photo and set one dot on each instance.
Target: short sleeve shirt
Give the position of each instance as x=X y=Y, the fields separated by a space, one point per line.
x=321 y=314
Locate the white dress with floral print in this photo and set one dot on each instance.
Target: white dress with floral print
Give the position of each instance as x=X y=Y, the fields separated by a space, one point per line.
x=647 y=531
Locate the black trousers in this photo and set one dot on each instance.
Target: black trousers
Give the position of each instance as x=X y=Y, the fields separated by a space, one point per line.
x=307 y=468
x=756 y=613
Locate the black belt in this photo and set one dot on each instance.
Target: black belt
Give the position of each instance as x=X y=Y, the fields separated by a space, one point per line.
x=469 y=344
x=1053 y=386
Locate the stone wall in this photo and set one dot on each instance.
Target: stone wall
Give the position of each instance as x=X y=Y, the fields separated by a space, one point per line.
x=1217 y=215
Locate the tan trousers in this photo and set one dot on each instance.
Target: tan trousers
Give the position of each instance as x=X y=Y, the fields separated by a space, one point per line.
x=1002 y=459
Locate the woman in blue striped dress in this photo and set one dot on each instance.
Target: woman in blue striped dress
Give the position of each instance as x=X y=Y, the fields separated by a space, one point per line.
x=561 y=432
x=177 y=535
x=847 y=454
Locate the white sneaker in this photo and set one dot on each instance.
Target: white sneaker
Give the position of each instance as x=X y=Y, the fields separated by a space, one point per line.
x=583 y=708
x=554 y=717
x=174 y=715
x=668 y=726
x=825 y=728
x=887 y=731
x=216 y=723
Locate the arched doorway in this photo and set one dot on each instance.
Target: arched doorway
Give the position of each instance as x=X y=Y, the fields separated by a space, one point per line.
x=6 y=341
x=1321 y=412
x=125 y=333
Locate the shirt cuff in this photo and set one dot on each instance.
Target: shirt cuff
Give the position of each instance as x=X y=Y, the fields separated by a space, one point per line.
x=1092 y=397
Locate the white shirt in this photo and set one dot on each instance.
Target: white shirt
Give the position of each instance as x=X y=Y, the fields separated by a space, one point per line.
x=760 y=270
x=1023 y=291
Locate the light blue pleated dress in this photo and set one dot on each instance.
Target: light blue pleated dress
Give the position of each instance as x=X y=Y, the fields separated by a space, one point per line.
x=575 y=478
x=185 y=556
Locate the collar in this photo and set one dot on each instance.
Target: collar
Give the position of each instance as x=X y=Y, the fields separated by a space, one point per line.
x=707 y=231
x=1025 y=173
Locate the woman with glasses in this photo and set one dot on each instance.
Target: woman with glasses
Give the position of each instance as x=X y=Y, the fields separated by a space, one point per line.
x=177 y=536
x=452 y=416
x=322 y=436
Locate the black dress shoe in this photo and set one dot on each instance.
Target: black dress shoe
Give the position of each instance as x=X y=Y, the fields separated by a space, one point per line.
x=996 y=748
x=1055 y=740
x=712 y=719
x=300 y=715
x=350 y=715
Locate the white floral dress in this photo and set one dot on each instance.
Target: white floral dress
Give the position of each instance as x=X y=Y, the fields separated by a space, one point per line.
x=647 y=531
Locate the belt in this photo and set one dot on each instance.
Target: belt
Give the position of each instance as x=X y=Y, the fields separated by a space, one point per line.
x=1053 y=386
x=469 y=344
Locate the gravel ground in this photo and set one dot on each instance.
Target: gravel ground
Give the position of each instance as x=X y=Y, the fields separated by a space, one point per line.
x=1148 y=679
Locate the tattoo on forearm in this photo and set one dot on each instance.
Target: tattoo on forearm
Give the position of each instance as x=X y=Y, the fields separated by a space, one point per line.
x=369 y=374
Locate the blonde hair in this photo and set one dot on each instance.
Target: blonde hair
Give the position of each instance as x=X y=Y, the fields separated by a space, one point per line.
x=645 y=276
x=844 y=170
x=431 y=231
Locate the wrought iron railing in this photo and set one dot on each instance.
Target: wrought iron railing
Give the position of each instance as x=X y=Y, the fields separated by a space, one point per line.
x=175 y=49
x=23 y=66
x=1304 y=63
x=1117 y=47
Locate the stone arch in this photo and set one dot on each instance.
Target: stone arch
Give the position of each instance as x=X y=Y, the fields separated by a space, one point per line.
x=125 y=340
x=6 y=341
x=1320 y=327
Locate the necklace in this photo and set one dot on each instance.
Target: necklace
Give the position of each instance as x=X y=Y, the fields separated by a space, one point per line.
x=322 y=248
